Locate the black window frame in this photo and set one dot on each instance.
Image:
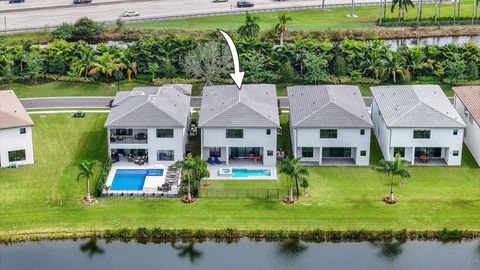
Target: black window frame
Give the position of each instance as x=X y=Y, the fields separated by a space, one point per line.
x=17 y=157
x=215 y=152
x=270 y=153
x=168 y=153
x=23 y=130
x=455 y=132
x=164 y=133
x=422 y=134
x=456 y=153
x=328 y=133
x=269 y=131
x=362 y=131
x=401 y=152
x=363 y=153
x=234 y=133
x=310 y=153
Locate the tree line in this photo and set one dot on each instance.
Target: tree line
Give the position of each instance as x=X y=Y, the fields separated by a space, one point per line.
x=302 y=61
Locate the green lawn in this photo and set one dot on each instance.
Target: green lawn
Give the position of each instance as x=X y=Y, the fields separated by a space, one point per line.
x=45 y=196
x=304 y=20
x=58 y=89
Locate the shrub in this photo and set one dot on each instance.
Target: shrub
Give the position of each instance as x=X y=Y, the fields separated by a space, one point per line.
x=64 y=31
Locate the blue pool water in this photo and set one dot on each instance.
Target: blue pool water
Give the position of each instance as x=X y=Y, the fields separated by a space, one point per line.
x=132 y=179
x=250 y=173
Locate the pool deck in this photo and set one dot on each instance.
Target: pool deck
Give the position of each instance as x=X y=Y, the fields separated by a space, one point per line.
x=150 y=186
x=214 y=172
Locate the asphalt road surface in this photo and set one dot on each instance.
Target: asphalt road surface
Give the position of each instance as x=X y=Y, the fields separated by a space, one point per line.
x=55 y=12
x=103 y=102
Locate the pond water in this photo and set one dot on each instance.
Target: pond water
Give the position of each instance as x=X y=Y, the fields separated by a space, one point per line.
x=410 y=42
x=243 y=254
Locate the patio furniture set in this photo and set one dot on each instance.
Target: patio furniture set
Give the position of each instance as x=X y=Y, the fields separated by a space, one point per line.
x=172 y=178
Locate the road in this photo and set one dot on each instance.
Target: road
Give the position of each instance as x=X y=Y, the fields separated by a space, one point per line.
x=103 y=102
x=55 y=12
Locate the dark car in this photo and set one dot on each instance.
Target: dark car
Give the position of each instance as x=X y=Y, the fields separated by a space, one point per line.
x=242 y=4
x=15 y=1
x=81 y=1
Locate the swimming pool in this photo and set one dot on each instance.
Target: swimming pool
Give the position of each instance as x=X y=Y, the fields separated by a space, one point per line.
x=132 y=179
x=236 y=172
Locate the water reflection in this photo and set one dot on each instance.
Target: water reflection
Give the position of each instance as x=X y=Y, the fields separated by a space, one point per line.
x=440 y=41
x=389 y=250
x=187 y=250
x=291 y=248
x=91 y=248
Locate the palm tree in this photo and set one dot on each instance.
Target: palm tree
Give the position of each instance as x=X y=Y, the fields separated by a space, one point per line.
x=251 y=28
x=402 y=7
x=391 y=169
x=281 y=26
x=84 y=62
x=419 y=11
x=194 y=169
x=474 y=11
x=291 y=167
x=395 y=65
x=87 y=169
x=373 y=64
x=130 y=66
x=106 y=64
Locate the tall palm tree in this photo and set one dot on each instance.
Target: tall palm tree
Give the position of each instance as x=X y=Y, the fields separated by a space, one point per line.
x=87 y=169
x=291 y=167
x=130 y=66
x=395 y=65
x=194 y=169
x=84 y=62
x=474 y=11
x=373 y=64
x=106 y=64
x=419 y=11
x=397 y=167
x=281 y=26
x=251 y=28
x=402 y=7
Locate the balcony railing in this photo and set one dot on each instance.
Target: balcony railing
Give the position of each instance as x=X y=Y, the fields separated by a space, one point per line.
x=120 y=139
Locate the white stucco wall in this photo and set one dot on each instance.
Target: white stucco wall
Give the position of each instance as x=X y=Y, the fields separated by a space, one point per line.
x=472 y=133
x=11 y=140
x=403 y=137
x=346 y=137
x=177 y=144
x=252 y=137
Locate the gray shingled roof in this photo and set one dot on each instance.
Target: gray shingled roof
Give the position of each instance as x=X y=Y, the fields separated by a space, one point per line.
x=253 y=106
x=339 y=106
x=423 y=106
x=164 y=106
x=470 y=97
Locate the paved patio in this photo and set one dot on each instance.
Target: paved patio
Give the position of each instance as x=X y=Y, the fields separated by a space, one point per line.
x=432 y=162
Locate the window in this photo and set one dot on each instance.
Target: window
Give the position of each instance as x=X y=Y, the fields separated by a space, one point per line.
x=455 y=132
x=455 y=153
x=123 y=132
x=307 y=152
x=17 y=155
x=421 y=134
x=328 y=133
x=234 y=133
x=23 y=130
x=269 y=153
x=362 y=131
x=164 y=133
x=363 y=153
x=165 y=155
x=399 y=150
x=215 y=151
x=269 y=131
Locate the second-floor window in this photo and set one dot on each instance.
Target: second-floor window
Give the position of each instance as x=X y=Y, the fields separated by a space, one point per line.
x=421 y=134
x=23 y=130
x=328 y=133
x=234 y=133
x=362 y=131
x=164 y=133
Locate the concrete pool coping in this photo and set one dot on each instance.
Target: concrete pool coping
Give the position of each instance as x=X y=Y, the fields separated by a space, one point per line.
x=215 y=175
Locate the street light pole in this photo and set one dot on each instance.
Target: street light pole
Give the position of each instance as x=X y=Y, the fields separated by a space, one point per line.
x=353 y=9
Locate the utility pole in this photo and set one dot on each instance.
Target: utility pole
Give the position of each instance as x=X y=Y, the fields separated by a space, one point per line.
x=352 y=13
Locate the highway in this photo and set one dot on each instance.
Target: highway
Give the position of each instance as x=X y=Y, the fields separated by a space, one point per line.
x=42 y=13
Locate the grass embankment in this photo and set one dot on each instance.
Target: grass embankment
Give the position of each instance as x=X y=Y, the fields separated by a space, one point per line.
x=304 y=20
x=63 y=89
x=45 y=197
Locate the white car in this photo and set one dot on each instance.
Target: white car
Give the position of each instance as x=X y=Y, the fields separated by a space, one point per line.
x=130 y=14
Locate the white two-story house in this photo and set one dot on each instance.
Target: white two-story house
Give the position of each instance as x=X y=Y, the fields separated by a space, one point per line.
x=16 y=145
x=467 y=104
x=419 y=123
x=149 y=125
x=329 y=125
x=240 y=126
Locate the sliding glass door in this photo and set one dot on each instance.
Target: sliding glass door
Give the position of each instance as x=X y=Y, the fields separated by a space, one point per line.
x=336 y=152
x=244 y=152
x=435 y=152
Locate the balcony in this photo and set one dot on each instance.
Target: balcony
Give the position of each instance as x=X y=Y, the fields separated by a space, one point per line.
x=128 y=136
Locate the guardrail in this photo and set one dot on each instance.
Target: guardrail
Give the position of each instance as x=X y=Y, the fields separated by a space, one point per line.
x=207 y=14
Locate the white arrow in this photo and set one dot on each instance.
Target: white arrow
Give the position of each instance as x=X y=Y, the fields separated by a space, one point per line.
x=238 y=75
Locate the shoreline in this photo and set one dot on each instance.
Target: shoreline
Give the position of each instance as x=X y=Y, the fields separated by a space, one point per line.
x=157 y=235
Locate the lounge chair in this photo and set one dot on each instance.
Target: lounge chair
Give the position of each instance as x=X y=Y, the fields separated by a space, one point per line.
x=216 y=160
x=211 y=161
x=252 y=156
